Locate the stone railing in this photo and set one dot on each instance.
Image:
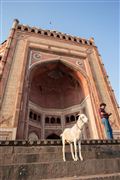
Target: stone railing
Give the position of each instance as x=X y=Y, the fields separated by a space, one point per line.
x=55 y=142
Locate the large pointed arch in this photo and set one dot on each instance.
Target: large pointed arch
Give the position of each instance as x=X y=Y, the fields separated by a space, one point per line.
x=40 y=69
x=79 y=72
x=67 y=63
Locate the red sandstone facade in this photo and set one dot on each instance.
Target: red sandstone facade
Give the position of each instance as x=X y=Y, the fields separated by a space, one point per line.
x=47 y=77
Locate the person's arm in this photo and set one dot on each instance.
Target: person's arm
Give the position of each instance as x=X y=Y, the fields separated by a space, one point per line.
x=104 y=113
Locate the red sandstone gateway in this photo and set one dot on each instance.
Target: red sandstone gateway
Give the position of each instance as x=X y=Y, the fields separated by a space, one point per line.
x=47 y=77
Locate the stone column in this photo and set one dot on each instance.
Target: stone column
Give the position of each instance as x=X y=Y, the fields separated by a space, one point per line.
x=93 y=127
x=63 y=121
x=43 y=126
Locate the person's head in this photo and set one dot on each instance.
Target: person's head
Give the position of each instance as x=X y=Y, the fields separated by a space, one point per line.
x=102 y=105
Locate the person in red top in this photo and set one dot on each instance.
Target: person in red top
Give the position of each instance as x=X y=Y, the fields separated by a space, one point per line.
x=105 y=120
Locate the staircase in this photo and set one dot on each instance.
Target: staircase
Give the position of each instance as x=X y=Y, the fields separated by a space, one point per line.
x=23 y=160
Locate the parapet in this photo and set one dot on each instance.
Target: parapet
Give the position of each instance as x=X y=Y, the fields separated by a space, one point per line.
x=53 y=34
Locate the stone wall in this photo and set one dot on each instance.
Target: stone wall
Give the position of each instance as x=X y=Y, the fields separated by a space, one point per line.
x=43 y=160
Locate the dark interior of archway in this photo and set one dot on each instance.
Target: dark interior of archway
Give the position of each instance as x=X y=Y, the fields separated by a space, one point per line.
x=54 y=85
x=53 y=136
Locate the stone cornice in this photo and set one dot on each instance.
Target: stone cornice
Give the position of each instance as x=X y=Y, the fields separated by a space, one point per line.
x=51 y=33
x=55 y=34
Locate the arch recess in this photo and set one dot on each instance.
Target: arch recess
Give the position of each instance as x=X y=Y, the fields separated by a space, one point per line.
x=67 y=63
x=80 y=73
x=57 y=84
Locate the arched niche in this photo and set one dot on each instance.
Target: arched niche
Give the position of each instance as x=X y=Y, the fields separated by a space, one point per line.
x=53 y=136
x=56 y=85
x=33 y=136
x=56 y=88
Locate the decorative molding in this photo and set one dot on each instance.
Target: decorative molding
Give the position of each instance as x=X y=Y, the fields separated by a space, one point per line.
x=71 y=109
x=35 y=56
x=56 y=142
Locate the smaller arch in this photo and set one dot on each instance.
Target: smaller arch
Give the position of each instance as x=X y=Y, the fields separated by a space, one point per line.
x=31 y=115
x=76 y=117
x=19 y=27
x=63 y=37
x=47 y=120
x=39 y=118
x=25 y=29
x=51 y=34
x=46 y=33
x=35 y=116
x=39 y=31
x=67 y=119
x=52 y=120
x=72 y=118
x=80 y=41
x=32 y=30
x=58 y=36
x=53 y=136
x=58 y=120
x=33 y=136
x=75 y=39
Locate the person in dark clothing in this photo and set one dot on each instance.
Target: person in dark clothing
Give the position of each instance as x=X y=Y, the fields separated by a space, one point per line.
x=105 y=120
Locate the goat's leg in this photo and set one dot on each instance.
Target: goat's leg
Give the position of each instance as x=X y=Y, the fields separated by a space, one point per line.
x=79 y=147
x=71 y=148
x=75 y=147
x=63 y=148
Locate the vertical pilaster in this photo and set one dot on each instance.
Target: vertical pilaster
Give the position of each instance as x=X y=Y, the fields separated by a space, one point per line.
x=6 y=63
x=63 y=122
x=43 y=126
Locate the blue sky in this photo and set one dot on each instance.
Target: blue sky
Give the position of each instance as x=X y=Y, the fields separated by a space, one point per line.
x=97 y=18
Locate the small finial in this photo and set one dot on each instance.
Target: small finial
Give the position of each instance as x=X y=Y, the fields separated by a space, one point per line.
x=16 y=20
x=15 y=23
x=91 y=39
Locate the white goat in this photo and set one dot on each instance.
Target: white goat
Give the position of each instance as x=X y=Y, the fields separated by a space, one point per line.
x=73 y=135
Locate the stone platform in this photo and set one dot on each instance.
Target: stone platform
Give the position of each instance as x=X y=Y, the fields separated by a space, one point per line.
x=43 y=160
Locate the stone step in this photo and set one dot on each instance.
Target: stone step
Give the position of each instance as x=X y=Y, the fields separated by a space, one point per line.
x=46 y=170
x=43 y=160
x=58 y=148
x=49 y=157
x=31 y=158
x=30 y=154
x=113 y=176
